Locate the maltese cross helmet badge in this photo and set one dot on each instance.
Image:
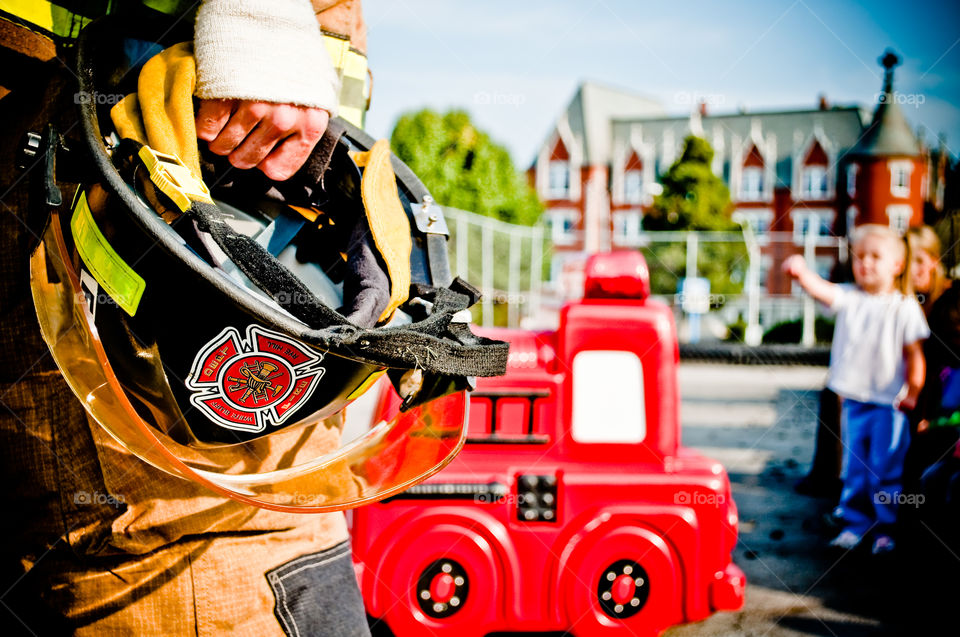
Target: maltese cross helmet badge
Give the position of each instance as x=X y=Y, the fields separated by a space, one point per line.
x=248 y=383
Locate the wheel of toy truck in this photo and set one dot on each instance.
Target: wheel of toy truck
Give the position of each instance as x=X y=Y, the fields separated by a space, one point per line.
x=442 y=588
x=445 y=582
x=623 y=582
x=623 y=589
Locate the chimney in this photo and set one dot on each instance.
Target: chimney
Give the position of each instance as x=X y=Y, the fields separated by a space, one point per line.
x=823 y=105
x=703 y=108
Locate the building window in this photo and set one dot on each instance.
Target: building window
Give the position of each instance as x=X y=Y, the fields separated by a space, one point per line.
x=563 y=225
x=766 y=263
x=608 y=401
x=628 y=228
x=759 y=220
x=633 y=186
x=805 y=222
x=814 y=182
x=559 y=185
x=851 y=220
x=899 y=217
x=852 y=171
x=900 y=178
x=752 y=187
x=556 y=267
x=823 y=266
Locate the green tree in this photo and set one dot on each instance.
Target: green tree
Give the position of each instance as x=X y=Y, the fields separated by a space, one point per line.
x=463 y=168
x=694 y=198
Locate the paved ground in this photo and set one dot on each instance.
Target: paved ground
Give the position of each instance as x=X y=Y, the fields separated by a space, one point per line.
x=760 y=422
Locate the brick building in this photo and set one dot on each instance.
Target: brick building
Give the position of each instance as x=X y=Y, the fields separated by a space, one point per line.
x=790 y=172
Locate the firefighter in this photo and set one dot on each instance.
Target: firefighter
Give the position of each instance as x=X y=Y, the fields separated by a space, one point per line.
x=95 y=540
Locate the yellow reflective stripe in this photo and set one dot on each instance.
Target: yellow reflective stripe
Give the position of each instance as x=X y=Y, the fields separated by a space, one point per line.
x=46 y=18
x=36 y=12
x=353 y=115
x=354 y=65
x=50 y=18
x=165 y=6
x=350 y=65
x=337 y=48
x=109 y=269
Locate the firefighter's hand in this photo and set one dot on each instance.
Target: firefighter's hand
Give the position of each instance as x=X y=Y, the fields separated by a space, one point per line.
x=276 y=138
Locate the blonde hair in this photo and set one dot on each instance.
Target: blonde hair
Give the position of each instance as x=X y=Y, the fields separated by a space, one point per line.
x=897 y=244
x=925 y=239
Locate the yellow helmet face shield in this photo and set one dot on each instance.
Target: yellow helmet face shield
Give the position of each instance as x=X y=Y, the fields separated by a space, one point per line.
x=302 y=469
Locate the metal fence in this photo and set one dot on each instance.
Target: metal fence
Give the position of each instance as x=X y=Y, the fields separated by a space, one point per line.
x=511 y=265
x=505 y=260
x=751 y=306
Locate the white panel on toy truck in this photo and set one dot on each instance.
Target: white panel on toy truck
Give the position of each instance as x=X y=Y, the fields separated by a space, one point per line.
x=608 y=402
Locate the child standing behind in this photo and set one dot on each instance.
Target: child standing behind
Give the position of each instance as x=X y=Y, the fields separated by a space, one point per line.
x=877 y=366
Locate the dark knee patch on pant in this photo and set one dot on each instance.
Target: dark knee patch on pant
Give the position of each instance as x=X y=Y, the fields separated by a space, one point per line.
x=317 y=595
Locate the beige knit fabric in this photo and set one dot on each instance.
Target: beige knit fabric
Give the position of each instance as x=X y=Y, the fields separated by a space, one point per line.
x=266 y=50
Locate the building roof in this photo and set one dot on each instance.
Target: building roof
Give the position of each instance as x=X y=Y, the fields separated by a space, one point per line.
x=594 y=106
x=888 y=133
x=602 y=119
x=792 y=134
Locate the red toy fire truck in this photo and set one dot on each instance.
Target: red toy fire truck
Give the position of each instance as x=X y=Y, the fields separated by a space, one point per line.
x=572 y=506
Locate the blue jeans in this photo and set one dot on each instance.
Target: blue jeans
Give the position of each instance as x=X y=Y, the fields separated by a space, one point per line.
x=317 y=595
x=875 y=441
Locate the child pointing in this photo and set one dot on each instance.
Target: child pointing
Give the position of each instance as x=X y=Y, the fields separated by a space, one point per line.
x=877 y=366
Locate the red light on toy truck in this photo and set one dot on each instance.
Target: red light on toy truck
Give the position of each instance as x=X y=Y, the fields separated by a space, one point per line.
x=616 y=275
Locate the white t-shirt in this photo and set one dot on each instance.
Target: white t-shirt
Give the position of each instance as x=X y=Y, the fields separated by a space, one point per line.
x=866 y=359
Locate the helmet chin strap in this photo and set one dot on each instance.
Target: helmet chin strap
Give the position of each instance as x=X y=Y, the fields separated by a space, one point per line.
x=435 y=342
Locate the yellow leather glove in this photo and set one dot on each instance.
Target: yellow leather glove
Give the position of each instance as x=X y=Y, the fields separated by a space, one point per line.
x=160 y=114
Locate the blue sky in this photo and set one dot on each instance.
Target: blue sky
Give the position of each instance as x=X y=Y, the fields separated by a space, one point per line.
x=514 y=65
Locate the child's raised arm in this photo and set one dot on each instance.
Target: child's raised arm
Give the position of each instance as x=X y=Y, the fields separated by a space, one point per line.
x=814 y=285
